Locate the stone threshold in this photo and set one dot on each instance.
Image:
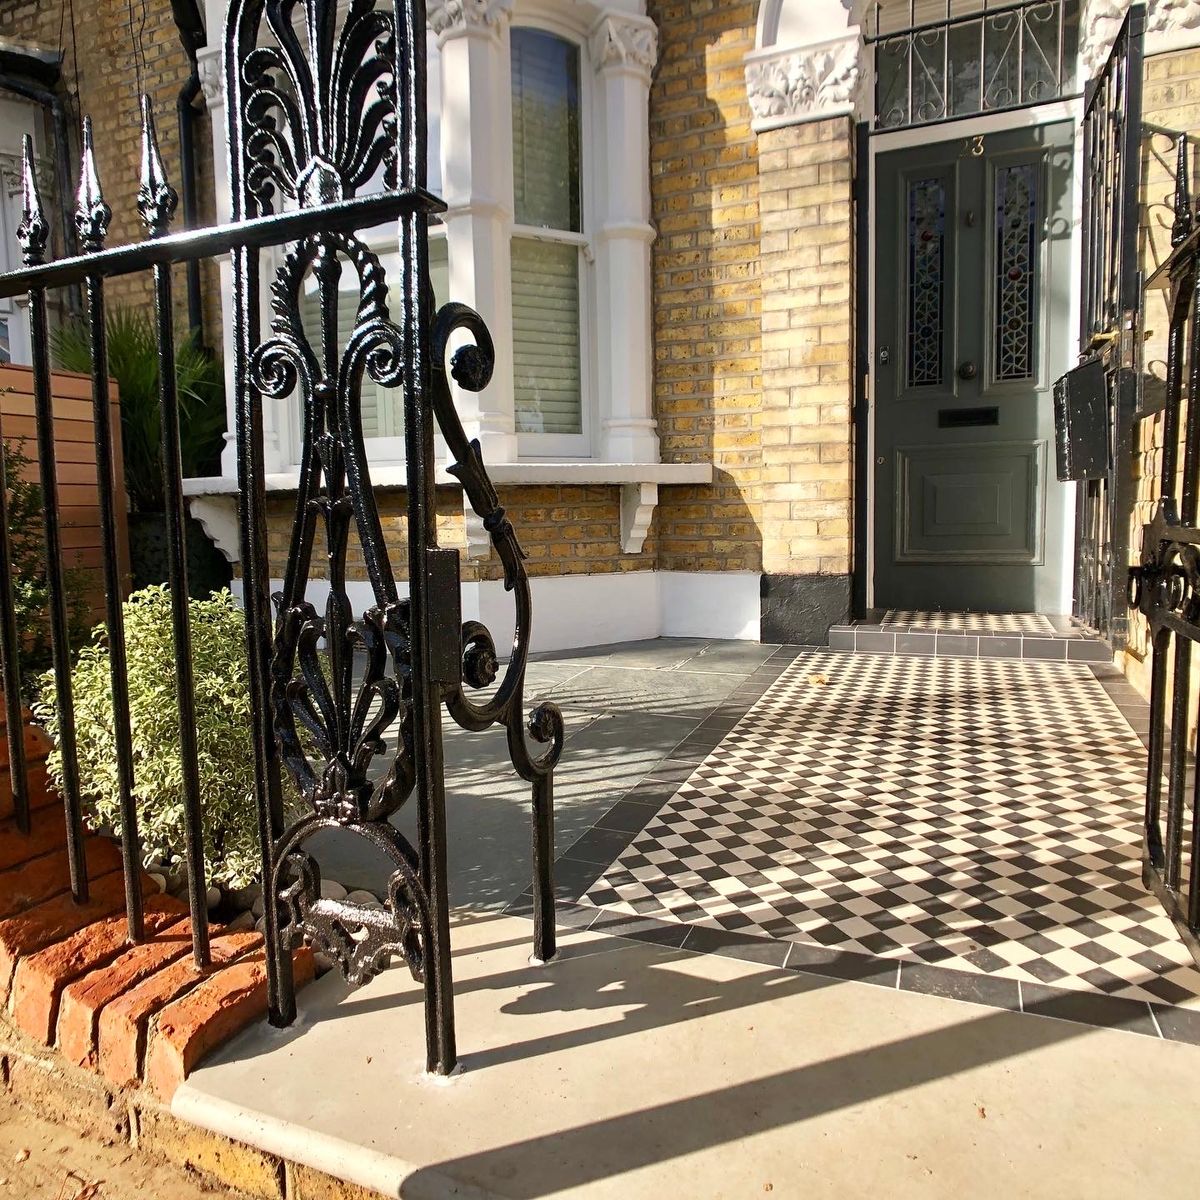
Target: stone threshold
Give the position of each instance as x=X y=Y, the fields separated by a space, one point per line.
x=873 y=638
x=631 y=1068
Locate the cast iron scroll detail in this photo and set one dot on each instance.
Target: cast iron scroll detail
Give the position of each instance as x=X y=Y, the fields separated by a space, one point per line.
x=320 y=105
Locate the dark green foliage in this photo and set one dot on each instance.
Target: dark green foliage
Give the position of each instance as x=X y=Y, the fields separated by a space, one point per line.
x=133 y=363
x=31 y=594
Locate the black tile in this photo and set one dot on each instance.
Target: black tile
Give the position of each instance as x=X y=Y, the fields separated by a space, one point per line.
x=841 y=964
x=1085 y=651
x=641 y=929
x=1088 y=1008
x=627 y=817
x=651 y=792
x=1178 y=1024
x=671 y=770
x=573 y=876
x=957 y=645
x=1054 y=649
x=1000 y=647
x=706 y=940
x=934 y=980
x=841 y=639
x=599 y=846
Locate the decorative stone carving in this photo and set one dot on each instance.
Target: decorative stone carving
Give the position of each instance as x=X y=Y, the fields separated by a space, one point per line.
x=621 y=40
x=638 y=501
x=458 y=16
x=210 y=66
x=1170 y=24
x=806 y=84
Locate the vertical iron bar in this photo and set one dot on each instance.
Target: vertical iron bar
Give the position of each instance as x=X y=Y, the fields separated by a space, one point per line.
x=10 y=651
x=33 y=234
x=544 y=933
x=156 y=203
x=92 y=216
x=442 y=1054
x=1158 y=705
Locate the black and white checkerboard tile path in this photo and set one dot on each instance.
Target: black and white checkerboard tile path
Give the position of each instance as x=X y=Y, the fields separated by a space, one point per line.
x=930 y=820
x=966 y=622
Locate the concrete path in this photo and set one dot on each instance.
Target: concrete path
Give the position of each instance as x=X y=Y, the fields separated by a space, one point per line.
x=629 y=1070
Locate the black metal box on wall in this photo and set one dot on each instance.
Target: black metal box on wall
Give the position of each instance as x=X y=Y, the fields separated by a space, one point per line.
x=1081 y=440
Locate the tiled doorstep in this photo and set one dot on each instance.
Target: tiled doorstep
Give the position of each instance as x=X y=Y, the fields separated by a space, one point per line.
x=581 y=866
x=872 y=639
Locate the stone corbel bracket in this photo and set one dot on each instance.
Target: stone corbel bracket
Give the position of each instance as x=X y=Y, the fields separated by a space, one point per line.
x=1170 y=25
x=218 y=518
x=790 y=87
x=638 y=502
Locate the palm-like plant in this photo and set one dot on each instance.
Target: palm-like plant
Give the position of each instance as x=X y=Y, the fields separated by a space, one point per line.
x=133 y=363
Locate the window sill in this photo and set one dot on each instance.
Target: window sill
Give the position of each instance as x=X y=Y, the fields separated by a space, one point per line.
x=639 y=484
x=394 y=475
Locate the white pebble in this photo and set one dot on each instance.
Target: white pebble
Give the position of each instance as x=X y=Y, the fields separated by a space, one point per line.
x=332 y=890
x=159 y=881
x=362 y=896
x=258 y=907
x=261 y=924
x=212 y=897
x=244 y=920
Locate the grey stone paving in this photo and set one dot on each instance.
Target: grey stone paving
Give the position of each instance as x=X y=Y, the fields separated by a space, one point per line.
x=631 y=714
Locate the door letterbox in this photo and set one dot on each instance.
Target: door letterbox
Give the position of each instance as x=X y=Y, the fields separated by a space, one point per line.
x=1081 y=439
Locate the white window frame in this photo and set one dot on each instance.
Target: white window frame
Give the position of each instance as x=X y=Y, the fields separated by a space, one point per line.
x=568 y=445
x=17 y=117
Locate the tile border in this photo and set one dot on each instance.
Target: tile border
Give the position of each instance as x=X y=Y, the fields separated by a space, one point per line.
x=910 y=640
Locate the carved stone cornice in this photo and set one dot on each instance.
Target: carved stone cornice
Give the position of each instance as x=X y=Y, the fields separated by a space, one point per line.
x=620 y=40
x=451 y=18
x=1170 y=25
x=804 y=84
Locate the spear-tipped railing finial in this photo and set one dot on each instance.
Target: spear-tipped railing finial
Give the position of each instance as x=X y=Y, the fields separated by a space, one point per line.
x=33 y=233
x=1182 y=225
x=157 y=199
x=92 y=214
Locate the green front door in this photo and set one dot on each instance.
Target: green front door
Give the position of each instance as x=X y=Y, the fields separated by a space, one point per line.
x=972 y=298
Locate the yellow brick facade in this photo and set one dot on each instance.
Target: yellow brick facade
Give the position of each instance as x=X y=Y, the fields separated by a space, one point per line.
x=1171 y=86
x=100 y=79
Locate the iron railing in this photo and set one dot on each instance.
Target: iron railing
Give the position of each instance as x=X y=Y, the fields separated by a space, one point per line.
x=349 y=704
x=1111 y=303
x=971 y=59
x=1165 y=586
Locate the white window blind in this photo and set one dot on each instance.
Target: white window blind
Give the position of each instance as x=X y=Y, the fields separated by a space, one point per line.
x=546 y=336
x=547 y=195
x=382 y=408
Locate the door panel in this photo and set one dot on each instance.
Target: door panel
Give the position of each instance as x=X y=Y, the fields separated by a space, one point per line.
x=972 y=295
x=968 y=504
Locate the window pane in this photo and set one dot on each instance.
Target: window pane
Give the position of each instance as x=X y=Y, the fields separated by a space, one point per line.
x=546 y=336
x=382 y=408
x=546 y=131
x=5 y=347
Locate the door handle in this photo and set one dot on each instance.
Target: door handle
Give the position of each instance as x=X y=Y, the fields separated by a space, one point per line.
x=967 y=370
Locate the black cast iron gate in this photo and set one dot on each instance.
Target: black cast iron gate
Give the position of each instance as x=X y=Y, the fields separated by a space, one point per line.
x=322 y=99
x=1110 y=312
x=1165 y=586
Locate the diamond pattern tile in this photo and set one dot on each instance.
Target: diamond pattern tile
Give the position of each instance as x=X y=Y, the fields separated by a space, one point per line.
x=960 y=622
x=983 y=815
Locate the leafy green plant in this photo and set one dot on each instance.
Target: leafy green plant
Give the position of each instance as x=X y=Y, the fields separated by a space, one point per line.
x=133 y=363
x=27 y=553
x=223 y=732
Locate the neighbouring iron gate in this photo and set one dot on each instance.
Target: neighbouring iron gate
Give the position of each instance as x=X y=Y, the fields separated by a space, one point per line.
x=322 y=100
x=1165 y=586
x=1110 y=325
